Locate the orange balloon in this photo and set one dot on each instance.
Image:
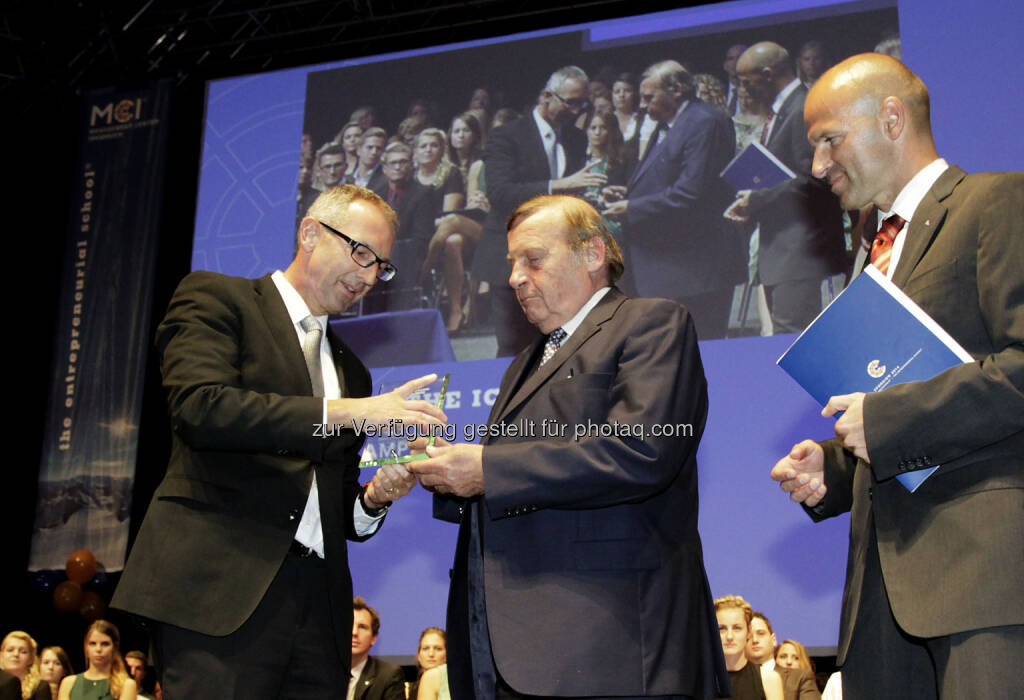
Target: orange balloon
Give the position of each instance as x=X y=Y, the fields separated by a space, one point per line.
x=93 y=606
x=81 y=566
x=67 y=596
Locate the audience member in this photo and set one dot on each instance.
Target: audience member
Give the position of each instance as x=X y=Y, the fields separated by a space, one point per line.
x=372 y=679
x=105 y=675
x=458 y=231
x=480 y=99
x=749 y=119
x=368 y=173
x=137 y=665
x=624 y=102
x=797 y=683
x=800 y=225
x=348 y=138
x=891 y=46
x=811 y=62
x=54 y=664
x=749 y=680
x=761 y=641
x=732 y=55
x=606 y=154
x=431 y=651
x=408 y=129
x=10 y=686
x=710 y=90
x=671 y=208
x=792 y=654
x=18 y=657
x=365 y=116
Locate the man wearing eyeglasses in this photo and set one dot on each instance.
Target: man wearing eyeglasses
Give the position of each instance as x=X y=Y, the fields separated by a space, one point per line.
x=541 y=153
x=240 y=565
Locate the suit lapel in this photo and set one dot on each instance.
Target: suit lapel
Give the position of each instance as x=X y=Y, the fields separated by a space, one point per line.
x=271 y=305
x=785 y=112
x=604 y=310
x=927 y=221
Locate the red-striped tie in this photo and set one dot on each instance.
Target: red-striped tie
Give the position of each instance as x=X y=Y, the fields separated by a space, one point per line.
x=881 y=247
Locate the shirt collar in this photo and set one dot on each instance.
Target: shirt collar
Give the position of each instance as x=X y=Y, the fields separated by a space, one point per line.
x=293 y=301
x=784 y=95
x=913 y=192
x=676 y=115
x=542 y=124
x=573 y=323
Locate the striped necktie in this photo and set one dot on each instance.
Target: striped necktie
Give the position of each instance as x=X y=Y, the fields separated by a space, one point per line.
x=881 y=247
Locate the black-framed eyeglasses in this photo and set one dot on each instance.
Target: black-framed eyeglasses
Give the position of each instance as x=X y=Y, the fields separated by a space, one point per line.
x=364 y=255
x=574 y=103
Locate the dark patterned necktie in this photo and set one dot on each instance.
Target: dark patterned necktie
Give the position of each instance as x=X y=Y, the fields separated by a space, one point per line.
x=551 y=346
x=881 y=247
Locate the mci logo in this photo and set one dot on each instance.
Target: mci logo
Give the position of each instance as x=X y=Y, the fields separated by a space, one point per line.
x=121 y=112
x=876 y=369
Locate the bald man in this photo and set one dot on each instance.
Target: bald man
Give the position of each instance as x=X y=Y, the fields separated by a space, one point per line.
x=933 y=604
x=800 y=224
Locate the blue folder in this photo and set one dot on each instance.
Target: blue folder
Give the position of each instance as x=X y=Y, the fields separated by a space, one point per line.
x=870 y=337
x=755 y=168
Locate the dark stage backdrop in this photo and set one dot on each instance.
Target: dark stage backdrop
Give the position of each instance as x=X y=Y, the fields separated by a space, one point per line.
x=756 y=543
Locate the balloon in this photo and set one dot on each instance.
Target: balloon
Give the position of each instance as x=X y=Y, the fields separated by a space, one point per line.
x=81 y=566
x=67 y=596
x=93 y=606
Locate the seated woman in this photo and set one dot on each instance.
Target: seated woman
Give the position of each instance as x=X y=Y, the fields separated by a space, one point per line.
x=792 y=654
x=458 y=230
x=18 y=657
x=348 y=139
x=431 y=652
x=105 y=675
x=54 y=664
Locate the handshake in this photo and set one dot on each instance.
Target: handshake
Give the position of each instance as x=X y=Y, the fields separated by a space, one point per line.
x=440 y=467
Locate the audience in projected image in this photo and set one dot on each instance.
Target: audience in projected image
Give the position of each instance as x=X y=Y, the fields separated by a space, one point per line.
x=105 y=675
x=450 y=166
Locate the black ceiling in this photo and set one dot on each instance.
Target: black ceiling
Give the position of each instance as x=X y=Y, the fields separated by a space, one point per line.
x=55 y=49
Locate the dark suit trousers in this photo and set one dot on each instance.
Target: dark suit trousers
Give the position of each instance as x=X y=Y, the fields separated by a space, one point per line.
x=884 y=662
x=286 y=649
x=506 y=693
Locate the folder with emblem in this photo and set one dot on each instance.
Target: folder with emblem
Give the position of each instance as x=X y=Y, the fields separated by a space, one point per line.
x=870 y=337
x=755 y=168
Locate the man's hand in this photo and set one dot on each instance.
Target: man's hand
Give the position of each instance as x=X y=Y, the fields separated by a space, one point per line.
x=801 y=473
x=739 y=210
x=613 y=193
x=452 y=469
x=580 y=179
x=616 y=210
x=850 y=426
x=391 y=482
x=377 y=410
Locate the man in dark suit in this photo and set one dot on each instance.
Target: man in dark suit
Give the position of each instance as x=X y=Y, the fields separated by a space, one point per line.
x=540 y=153
x=679 y=245
x=372 y=679
x=412 y=203
x=240 y=563
x=800 y=226
x=578 y=570
x=933 y=605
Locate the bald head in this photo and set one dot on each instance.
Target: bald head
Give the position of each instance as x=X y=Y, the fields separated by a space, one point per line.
x=868 y=121
x=764 y=70
x=866 y=80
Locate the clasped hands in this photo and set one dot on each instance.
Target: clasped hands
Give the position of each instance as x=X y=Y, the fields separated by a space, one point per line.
x=455 y=469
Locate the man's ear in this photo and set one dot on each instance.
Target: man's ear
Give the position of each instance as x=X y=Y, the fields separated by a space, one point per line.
x=309 y=234
x=594 y=254
x=893 y=115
